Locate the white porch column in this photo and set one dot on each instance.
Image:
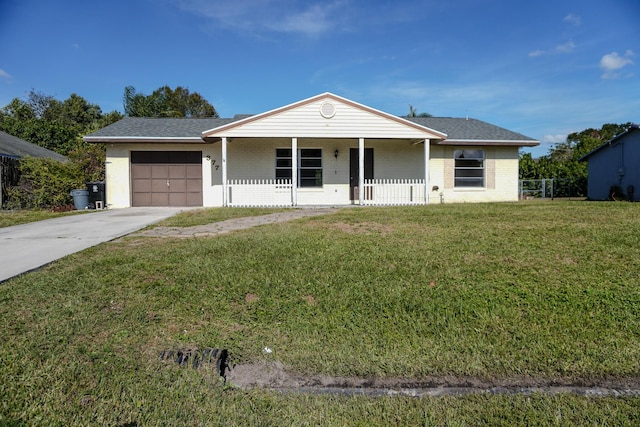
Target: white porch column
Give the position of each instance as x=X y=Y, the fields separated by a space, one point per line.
x=294 y=171
x=361 y=171
x=427 y=147
x=225 y=187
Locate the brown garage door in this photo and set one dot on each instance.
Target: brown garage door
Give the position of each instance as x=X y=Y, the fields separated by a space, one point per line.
x=166 y=178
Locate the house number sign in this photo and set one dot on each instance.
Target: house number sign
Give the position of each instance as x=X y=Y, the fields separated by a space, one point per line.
x=213 y=162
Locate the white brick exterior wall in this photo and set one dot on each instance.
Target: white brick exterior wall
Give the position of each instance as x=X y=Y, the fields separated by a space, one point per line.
x=501 y=176
x=252 y=158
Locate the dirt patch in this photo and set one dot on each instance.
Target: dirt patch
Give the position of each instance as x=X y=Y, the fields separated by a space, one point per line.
x=273 y=375
x=234 y=224
x=362 y=228
x=309 y=299
x=251 y=298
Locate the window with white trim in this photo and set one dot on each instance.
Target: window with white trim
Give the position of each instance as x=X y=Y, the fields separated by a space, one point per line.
x=468 y=168
x=309 y=166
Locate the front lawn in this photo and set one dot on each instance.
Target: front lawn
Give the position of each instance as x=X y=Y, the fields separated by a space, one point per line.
x=534 y=292
x=17 y=217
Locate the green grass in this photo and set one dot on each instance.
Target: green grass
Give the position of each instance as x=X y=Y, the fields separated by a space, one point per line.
x=493 y=291
x=17 y=217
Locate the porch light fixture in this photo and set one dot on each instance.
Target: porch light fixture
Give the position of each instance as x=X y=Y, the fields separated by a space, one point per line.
x=335 y=153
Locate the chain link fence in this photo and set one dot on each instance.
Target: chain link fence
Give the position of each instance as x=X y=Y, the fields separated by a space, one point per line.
x=552 y=188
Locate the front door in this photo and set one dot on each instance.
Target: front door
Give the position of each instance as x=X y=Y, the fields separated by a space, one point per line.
x=354 y=175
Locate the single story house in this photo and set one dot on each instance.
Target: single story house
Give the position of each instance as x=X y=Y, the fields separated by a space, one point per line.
x=615 y=166
x=324 y=150
x=12 y=149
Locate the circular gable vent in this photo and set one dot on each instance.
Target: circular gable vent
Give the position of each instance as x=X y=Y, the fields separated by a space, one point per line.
x=327 y=110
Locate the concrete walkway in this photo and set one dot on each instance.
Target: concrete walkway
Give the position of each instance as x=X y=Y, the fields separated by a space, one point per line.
x=29 y=246
x=233 y=224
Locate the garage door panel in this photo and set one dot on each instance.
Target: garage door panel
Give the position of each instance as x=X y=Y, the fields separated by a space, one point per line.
x=141 y=171
x=194 y=171
x=177 y=171
x=194 y=199
x=159 y=185
x=159 y=171
x=143 y=199
x=177 y=199
x=142 y=185
x=159 y=199
x=177 y=186
x=194 y=185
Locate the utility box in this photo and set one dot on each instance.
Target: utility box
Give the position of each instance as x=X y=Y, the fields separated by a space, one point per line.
x=97 y=194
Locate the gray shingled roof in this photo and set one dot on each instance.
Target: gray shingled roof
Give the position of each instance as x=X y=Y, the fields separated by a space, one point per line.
x=459 y=129
x=12 y=146
x=159 y=127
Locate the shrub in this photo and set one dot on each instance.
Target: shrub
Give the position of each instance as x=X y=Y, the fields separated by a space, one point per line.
x=45 y=183
x=89 y=160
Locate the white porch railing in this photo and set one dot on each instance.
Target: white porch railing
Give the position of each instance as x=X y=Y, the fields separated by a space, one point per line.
x=386 y=192
x=274 y=193
x=259 y=192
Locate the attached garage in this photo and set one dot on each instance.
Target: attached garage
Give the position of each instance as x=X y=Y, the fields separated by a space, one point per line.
x=166 y=178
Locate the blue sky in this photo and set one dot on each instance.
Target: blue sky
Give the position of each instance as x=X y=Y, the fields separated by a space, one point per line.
x=543 y=68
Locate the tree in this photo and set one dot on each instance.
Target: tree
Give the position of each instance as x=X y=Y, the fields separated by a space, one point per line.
x=57 y=125
x=167 y=102
x=563 y=161
x=414 y=113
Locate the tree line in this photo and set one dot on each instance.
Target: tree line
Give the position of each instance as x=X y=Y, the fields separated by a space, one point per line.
x=563 y=164
x=60 y=125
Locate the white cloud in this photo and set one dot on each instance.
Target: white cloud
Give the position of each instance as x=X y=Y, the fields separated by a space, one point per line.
x=554 y=139
x=612 y=62
x=573 y=19
x=312 y=21
x=567 y=47
x=4 y=74
x=254 y=16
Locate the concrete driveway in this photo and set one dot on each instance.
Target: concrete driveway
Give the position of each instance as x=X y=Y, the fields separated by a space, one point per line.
x=29 y=246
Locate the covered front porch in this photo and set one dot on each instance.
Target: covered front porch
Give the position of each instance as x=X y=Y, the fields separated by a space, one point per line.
x=313 y=171
x=324 y=150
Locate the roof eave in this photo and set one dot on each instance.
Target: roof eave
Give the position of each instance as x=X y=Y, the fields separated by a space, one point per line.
x=144 y=139
x=492 y=142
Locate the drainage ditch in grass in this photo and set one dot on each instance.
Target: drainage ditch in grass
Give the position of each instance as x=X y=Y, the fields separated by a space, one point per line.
x=459 y=391
x=272 y=376
x=196 y=358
